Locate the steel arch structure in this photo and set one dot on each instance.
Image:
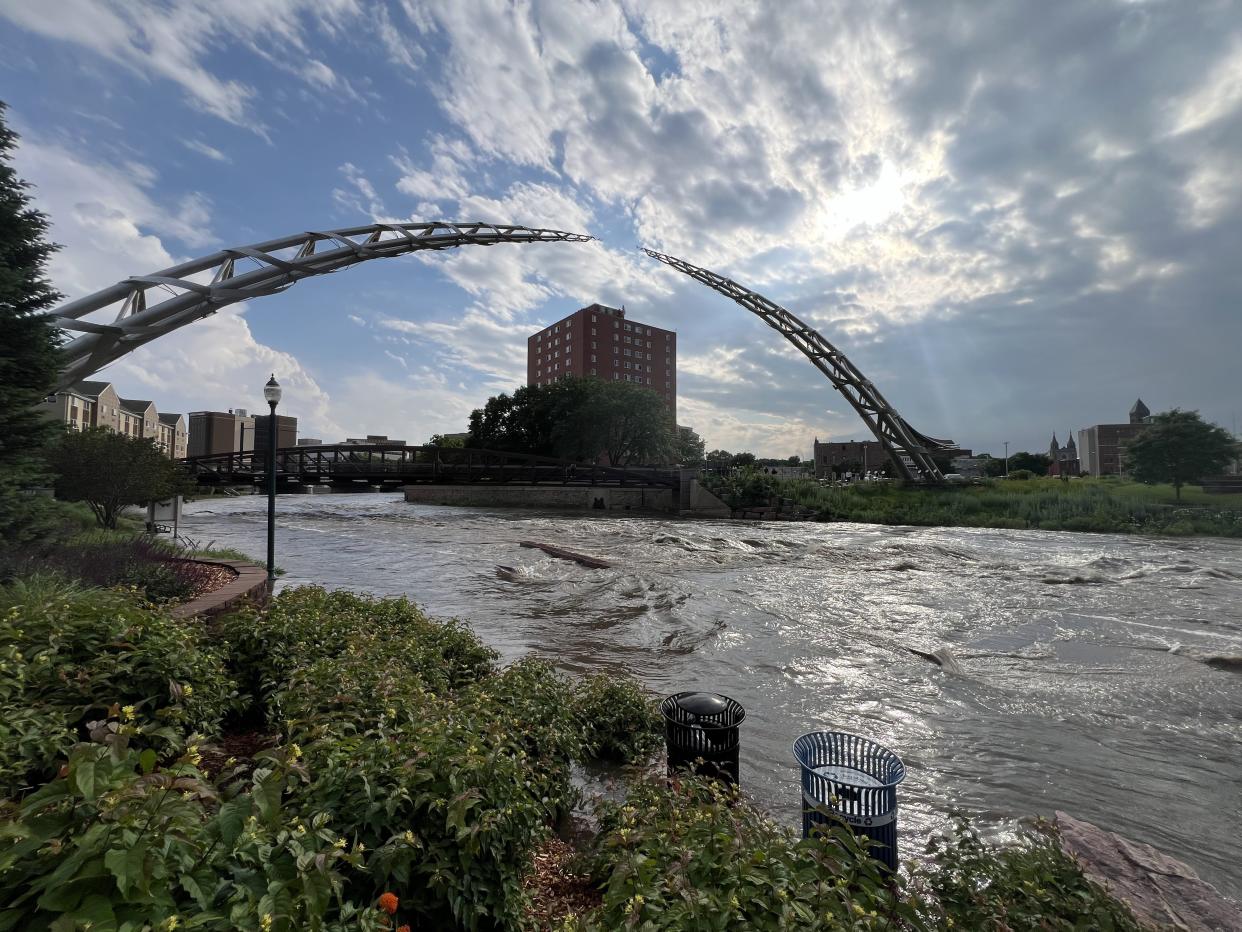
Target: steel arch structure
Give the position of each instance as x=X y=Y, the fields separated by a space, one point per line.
x=277 y=264
x=909 y=450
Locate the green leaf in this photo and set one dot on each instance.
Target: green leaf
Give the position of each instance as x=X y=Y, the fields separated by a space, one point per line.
x=84 y=778
x=128 y=867
x=147 y=760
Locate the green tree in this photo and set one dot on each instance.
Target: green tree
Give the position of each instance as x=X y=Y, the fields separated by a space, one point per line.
x=719 y=460
x=577 y=419
x=690 y=447
x=447 y=441
x=744 y=459
x=1178 y=447
x=110 y=471
x=27 y=350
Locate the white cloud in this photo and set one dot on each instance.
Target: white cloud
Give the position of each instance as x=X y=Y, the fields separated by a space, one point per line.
x=216 y=364
x=172 y=40
x=196 y=145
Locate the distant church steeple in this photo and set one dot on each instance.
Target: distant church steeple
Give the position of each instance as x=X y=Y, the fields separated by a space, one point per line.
x=1139 y=413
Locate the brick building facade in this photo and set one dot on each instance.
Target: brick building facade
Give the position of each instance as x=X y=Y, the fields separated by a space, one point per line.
x=600 y=341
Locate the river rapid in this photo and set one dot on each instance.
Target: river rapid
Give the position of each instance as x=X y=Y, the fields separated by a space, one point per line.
x=1083 y=682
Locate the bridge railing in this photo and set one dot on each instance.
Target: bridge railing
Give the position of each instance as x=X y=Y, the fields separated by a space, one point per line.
x=418 y=464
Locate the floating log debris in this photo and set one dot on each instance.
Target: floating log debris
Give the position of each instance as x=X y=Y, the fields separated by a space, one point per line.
x=560 y=552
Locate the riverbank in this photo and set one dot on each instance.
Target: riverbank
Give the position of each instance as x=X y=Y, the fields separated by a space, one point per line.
x=404 y=778
x=1098 y=505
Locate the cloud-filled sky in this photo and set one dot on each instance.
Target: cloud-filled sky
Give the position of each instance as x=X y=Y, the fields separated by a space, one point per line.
x=1014 y=218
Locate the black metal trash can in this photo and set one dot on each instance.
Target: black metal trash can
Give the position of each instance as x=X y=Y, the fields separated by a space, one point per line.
x=702 y=733
x=853 y=779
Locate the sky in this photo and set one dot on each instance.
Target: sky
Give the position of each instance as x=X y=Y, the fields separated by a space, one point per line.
x=1014 y=218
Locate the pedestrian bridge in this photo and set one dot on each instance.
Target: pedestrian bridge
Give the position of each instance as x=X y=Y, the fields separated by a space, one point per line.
x=408 y=465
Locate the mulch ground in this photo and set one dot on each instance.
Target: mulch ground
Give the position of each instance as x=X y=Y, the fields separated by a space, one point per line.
x=211 y=578
x=242 y=746
x=556 y=890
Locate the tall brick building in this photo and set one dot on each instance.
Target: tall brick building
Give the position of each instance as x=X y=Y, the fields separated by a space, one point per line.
x=599 y=341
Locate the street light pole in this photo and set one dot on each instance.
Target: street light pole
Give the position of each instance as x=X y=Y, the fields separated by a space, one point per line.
x=1006 y=459
x=271 y=392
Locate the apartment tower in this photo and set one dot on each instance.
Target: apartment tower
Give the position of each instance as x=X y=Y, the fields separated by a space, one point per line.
x=599 y=341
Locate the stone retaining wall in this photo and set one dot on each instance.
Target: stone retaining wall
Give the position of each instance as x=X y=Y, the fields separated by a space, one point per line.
x=249 y=585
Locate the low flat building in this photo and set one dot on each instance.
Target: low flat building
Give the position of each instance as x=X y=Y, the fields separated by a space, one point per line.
x=138 y=418
x=833 y=460
x=309 y=442
x=969 y=467
x=1101 y=448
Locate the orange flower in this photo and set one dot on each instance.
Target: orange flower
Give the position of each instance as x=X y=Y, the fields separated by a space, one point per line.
x=388 y=902
x=403 y=929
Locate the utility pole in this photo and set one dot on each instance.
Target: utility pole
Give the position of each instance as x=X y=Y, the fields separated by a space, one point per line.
x=1006 y=459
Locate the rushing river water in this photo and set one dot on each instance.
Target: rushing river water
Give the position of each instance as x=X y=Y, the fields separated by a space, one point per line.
x=1069 y=696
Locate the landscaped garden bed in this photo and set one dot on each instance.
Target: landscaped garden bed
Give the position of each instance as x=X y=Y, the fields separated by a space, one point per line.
x=335 y=761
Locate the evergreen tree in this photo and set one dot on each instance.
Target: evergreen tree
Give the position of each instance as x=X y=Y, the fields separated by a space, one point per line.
x=27 y=343
x=27 y=350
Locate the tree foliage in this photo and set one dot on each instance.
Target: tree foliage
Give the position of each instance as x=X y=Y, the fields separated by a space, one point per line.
x=690 y=447
x=110 y=471
x=27 y=348
x=1178 y=447
x=577 y=419
x=1034 y=463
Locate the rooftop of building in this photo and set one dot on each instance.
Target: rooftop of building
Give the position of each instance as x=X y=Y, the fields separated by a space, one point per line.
x=89 y=389
x=136 y=404
x=172 y=419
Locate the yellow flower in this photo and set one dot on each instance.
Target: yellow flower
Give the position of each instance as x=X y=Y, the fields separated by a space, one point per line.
x=294 y=751
x=127 y=712
x=409 y=837
x=188 y=691
x=339 y=843
x=171 y=923
x=265 y=923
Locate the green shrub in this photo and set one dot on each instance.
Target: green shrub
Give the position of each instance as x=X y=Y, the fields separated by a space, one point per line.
x=691 y=856
x=1032 y=885
x=308 y=625
x=72 y=654
x=620 y=719
x=475 y=781
x=123 y=840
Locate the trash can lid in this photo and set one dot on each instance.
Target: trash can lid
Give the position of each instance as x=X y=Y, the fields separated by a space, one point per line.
x=702 y=703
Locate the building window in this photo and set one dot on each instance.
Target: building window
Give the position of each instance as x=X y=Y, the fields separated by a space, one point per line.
x=592 y=344
x=648 y=355
x=592 y=329
x=592 y=372
x=615 y=325
x=567 y=350
x=615 y=377
x=628 y=327
x=616 y=351
x=615 y=338
x=648 y=344
x=592 y=357
x=627 y=365
x=592 y=321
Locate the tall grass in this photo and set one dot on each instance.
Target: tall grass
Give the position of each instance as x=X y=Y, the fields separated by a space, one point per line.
x=1049 y=504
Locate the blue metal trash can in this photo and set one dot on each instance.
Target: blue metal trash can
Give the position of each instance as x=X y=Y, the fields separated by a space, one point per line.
x=703 y=734
x=853 y=779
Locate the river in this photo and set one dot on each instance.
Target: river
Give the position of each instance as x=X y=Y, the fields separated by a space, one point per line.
x=1070 y=697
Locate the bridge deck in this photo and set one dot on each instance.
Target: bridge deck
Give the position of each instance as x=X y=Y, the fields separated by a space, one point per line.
x=417 y=464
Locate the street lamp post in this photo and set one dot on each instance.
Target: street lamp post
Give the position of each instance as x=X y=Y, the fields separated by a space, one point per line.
x=271 y=392
x=1006 y=459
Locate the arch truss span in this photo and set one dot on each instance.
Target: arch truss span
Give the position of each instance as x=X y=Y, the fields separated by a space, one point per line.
x=910 y=451
x=198 y=288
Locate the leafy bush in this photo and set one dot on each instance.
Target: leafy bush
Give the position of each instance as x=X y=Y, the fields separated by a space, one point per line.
x=620 y=719
x=692 y=856
x=309 y=625
x=109 y=558
x=121 y=840
x=71 y=654
x=1032 y=885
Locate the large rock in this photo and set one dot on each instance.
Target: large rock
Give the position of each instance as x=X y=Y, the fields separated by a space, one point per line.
x=1161 y=890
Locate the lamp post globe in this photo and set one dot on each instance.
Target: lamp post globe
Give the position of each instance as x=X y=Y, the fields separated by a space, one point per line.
x=271 y=392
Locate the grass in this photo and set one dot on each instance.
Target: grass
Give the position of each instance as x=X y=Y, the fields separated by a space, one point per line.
x=1101 y=505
